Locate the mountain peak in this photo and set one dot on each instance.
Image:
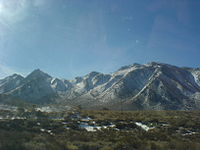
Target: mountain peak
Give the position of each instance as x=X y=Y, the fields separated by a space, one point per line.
x=93 y=73
x=153 y=63
x=37 y=73
x=153 y=85
x=15 y=76
x=129 y=66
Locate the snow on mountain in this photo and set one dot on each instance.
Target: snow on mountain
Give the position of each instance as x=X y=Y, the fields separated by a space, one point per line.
x=58 y=85
x=150 y=86
x=196 y=75
x=10 y=83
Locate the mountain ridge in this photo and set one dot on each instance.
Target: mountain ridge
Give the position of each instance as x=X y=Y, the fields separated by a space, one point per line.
x=150 y=86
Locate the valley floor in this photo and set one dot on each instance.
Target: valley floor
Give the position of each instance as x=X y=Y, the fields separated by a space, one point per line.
x=99 y=130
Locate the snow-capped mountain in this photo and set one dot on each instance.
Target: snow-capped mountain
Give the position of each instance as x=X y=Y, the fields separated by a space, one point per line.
x=150 y=86
x=10 y=83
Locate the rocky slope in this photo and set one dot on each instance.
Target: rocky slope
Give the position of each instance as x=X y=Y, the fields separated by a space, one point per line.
x=151 y=86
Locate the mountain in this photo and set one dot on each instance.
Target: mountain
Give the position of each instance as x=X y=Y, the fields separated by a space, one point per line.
x=10 y=83
x=156 y=86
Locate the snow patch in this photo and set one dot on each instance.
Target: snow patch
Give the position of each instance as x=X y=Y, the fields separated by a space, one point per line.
x=196 y=75
x=143 y=126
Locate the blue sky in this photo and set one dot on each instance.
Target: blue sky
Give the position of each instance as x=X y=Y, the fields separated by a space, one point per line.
x=69 y=38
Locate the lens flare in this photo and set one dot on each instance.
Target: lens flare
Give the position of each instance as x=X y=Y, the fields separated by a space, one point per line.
x=12 y=11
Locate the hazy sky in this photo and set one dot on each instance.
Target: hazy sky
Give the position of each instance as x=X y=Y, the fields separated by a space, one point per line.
x=68 y=38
